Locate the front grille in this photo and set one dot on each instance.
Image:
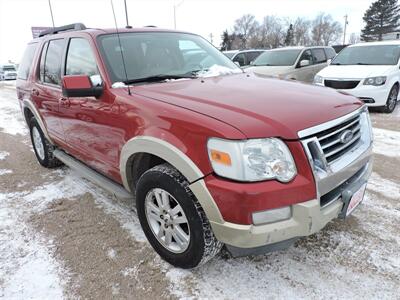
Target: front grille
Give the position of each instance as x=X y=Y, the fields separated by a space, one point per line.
x=341 y=84
x=340 y=139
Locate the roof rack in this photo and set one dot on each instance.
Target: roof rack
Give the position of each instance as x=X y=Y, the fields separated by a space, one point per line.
x=70 y=27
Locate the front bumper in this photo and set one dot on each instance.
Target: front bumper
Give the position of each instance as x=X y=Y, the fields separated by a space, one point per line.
x=370 y=95
x=307 y=217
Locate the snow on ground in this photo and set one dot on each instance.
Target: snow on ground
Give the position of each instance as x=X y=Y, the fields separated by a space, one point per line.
x=27 y=267
x=5 y=171
x=387 y=142
x=11 y=120
x=3 y=155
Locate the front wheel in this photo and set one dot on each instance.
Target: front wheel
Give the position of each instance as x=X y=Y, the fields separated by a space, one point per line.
x=392 y=100
x=173 y=220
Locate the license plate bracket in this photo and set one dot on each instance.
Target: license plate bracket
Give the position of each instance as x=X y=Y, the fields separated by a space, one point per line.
x=351 y=200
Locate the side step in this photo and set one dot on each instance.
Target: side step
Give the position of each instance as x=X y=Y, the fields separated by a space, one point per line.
x=117 y=190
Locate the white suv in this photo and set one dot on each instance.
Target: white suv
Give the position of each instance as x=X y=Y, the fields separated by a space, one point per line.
x=369 y=71
x=8 y=72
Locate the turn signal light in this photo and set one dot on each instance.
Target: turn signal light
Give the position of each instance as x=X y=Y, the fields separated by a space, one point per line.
x=221 y=157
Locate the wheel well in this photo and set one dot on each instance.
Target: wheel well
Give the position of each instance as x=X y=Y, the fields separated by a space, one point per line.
x=140 y=163
x=28 y=115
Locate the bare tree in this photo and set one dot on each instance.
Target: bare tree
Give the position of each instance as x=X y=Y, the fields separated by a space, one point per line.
x=271 y=33
x=354 y=38
x=246 y=28
x=325 y=30
x=301 y=32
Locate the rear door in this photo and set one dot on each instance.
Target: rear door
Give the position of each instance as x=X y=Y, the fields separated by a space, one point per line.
x=46 y=91
x=320 y=61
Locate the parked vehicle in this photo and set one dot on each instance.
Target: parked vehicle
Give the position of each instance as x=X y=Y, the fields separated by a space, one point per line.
x=8 y=72
x=294 y=63
x=214 y=156
x=243 y=58
x=339 y=48
x=369 y=71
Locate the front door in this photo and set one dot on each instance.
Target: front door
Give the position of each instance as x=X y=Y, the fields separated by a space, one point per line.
x=88 y=121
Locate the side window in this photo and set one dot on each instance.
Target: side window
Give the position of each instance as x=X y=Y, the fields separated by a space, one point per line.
x=240 y=58
x=330 y=53
x=25 y=66
x=52 y=62
x=252 y=56
x=80 y=58
x=42 y=60
x=319 y=56
x=306 y=56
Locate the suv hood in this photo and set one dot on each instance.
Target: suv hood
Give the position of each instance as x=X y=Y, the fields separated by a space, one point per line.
x=270 y=70
x=354 y=72
x=258 y=107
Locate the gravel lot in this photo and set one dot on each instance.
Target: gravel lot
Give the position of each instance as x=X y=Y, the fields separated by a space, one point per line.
x=63 y=237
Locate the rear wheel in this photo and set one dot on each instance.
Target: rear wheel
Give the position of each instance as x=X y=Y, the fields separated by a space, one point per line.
x=173 y=220
x=43 y=149
x=392 y=100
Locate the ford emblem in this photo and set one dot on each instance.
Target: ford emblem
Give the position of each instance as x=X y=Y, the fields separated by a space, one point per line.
x=346 y=136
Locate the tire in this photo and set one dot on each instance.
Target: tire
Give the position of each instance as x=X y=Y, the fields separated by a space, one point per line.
x=201 y=244
x=391 y=100
x=43 y=149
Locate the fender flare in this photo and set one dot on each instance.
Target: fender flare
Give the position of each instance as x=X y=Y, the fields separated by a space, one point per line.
x=29 y=105
x=179 y=160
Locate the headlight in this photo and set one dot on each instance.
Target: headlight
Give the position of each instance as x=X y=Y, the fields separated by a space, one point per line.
x=379 y=80
x=252 y=160
x=318 y=79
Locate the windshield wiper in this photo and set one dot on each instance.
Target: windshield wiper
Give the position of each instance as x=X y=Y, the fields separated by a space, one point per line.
x=156 y=78
x=363 y=64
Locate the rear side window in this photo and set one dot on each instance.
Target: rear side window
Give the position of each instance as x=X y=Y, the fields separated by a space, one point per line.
x=25 y=66
x=80 y=58
x=318 y=55
x=50 y=64
x=330 y=53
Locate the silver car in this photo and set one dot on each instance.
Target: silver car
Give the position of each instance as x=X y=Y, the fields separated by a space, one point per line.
x=295 y=63
x=8 y=72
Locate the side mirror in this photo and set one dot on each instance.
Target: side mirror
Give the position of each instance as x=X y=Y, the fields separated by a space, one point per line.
x=304 y=63
x=237 y=63
x=329 y=61
x=81 y=86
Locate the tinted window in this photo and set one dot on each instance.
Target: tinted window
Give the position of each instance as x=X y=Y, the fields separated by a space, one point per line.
x=330 y=53
x=306 y=56
x=80 y=58
x=52 y=63
x=318 y=55
x=240 y=58
x=277 y=58
x=252 y=55
x=25 y=66
x=368 y=55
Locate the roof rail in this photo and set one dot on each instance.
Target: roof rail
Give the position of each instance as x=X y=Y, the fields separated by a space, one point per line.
x=70 y=27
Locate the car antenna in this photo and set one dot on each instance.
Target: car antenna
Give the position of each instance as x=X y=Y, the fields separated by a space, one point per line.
x=126 y=16
x=51 y=13
x=120 y=47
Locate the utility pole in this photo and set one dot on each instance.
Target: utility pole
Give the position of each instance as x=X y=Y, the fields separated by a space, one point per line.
x=126 y=16
x=175 y=7
x=211 y=38
x=346 y=22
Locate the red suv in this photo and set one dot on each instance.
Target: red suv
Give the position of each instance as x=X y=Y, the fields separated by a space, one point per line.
x=211 y=155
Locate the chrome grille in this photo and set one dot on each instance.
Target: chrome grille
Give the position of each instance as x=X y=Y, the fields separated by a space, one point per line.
x=340 y=139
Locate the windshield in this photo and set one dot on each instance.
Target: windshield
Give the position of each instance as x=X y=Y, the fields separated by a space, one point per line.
x=9 y=68
x=157 y=55
x=277 y=58
x=368 y=55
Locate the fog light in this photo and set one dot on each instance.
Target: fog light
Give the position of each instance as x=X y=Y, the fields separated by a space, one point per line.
x=272 y=215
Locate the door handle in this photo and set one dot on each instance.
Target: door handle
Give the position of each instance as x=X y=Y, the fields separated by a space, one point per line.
x=65 y=102
x=35 y=92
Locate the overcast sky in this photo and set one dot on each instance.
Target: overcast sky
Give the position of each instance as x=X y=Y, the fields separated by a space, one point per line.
x=203 y=17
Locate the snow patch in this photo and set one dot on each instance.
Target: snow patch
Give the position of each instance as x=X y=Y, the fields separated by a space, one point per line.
x=217 y=70
x=384 y=186
x=3 y=155
x=111 y=253
x=386 y=142
x=11 y=119
x=5 y=171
